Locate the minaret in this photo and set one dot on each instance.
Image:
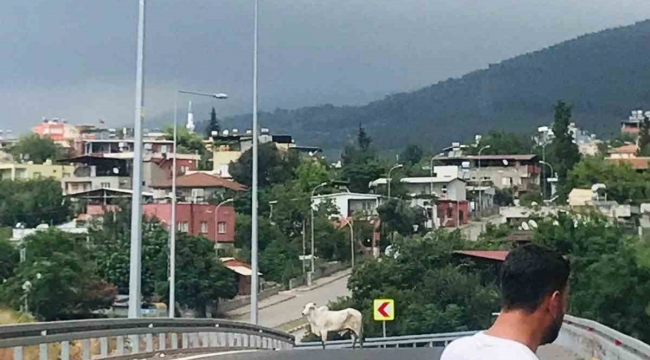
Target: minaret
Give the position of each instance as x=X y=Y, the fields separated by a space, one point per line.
x=190 y=119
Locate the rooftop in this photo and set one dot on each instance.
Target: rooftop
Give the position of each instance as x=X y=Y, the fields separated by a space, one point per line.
x=494 y=255
x=418 y=180
x=625 y=149
x=515 y=157
x=238 y=266
x=638 y=163
x=200 y=180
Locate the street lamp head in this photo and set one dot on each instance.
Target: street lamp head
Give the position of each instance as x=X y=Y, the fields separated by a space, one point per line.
x=220 y=96
x=487 y=146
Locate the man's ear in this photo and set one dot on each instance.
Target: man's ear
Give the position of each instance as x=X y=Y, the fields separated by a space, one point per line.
x=555 y=302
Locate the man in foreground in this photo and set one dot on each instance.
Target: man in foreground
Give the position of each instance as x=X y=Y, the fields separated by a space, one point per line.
x=534 y=295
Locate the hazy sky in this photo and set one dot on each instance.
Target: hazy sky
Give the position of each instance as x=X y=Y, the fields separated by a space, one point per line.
x=75 y=59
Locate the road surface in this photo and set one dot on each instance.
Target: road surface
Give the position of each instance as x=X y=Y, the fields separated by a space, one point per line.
x=545 y=353
x=291 y=309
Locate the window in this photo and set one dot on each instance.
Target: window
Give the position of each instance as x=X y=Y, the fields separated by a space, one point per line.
x=204 y=227
x=222 y=228
x=105 y=185
x=184 y=169
x=37 y=175
x=183 y=227
x=197 y=193
x=163 y=149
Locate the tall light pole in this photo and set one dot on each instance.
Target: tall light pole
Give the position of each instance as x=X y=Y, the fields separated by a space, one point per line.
x=172 y=230
x=545 y=180
x=431 y=191
x=136 y=197
x=311 y=208
x=480 y=181
x=216 y=218
x=390 y=178
x=351 y=242
x=254 y=265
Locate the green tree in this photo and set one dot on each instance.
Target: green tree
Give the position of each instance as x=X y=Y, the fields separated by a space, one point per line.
x=360 y=163
x=37 y=149
x=623 y=183
x=9 y=258
x=397 y=216
x=644 y=137
x=412 y=154
x=274 y=167
x=503 y=143
x=437 y=294
x=190 y=143
x=310 y=174
x=33 y=202
x=59 y=277
x=110 y=239
x=213 y=124
x=201 y=278
x=610 y=282
x=564 y=152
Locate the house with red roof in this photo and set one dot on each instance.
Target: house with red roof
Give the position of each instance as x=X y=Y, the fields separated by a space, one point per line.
x=196 y=187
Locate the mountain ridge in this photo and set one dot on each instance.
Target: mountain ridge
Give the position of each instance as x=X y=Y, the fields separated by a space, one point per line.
x=602 y=74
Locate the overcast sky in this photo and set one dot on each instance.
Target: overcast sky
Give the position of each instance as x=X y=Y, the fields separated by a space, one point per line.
x=75 y=59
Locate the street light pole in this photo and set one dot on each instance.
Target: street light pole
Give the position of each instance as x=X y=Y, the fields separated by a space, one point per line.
x=172 y=230
x=390 y=178
x=480 y=181
x=216 y=219
x=544 y=169
x=254 y=265
x=351 y=242
x=136 y=198
x=311 y=208
x=431 y=191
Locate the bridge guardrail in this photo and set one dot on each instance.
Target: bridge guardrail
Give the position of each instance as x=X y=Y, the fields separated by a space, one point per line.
x=429 y=340
x=592 y=340
x=585 y=338
x=116 y=336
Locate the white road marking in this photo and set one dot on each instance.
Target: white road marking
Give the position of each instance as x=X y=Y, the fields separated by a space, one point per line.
x=194 y=357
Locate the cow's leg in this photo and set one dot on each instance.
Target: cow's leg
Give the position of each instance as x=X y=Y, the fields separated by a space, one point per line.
x=354 y=339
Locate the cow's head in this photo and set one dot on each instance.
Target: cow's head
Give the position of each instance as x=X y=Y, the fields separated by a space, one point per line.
x=308 y=308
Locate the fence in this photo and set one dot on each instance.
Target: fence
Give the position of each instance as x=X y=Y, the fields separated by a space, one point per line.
x=591 y=340
x=124 y=338
x=584 y=338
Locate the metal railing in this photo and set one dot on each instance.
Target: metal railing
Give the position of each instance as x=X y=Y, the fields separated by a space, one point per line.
x=429 y=340
x=591 y=340
x=113 y=338
x=585 y=338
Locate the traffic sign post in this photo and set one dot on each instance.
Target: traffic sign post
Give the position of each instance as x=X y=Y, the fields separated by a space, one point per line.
x=384 y=310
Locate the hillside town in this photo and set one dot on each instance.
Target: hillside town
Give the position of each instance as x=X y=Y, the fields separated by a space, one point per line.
x=320 y=220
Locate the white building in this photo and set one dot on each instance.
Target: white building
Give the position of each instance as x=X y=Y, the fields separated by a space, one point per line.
x=350 y=204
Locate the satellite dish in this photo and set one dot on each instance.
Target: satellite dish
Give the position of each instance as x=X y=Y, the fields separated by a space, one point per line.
x=390 y=252
x=556 y=223
x=505 y=162
x=116 y=171
x=524 y=226
x=533 y=224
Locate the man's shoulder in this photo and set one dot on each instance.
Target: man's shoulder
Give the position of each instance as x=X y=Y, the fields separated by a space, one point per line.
x=479 y=347
x=459 y=348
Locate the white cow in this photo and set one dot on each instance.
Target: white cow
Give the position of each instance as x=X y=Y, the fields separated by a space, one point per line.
x=322 y=321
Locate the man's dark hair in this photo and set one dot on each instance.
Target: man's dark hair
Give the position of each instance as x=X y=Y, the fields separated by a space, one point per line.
x=530 y=273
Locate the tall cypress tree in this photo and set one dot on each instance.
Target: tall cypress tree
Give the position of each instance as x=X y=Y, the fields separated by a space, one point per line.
x=565 y=151
x=213 y=125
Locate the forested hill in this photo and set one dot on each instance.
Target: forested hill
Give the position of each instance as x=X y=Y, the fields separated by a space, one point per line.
x=604 y=75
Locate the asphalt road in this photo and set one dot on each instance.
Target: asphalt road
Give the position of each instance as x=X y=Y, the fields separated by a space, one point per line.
x=545 y=353
x=291 y=309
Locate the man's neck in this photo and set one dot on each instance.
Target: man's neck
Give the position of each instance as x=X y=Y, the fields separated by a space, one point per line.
x=517 y=326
